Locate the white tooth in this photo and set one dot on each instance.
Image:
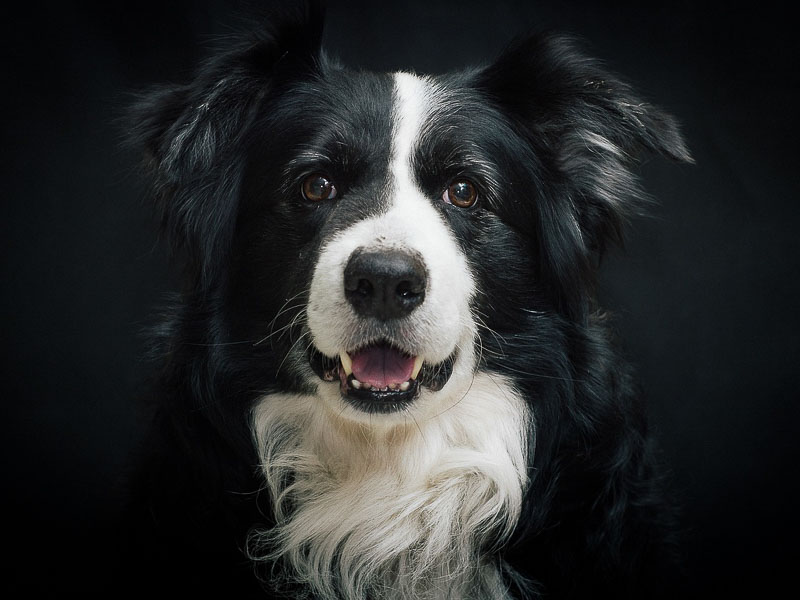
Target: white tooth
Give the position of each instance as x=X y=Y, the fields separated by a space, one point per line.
x=417 y=367
x=404 y=386
x=355 y=383
x=347 y=363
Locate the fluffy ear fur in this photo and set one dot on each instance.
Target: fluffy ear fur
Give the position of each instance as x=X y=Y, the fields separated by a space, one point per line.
x=590 y=129
x=191 y=134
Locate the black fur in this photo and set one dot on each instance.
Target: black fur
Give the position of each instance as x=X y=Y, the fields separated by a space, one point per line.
x=596 y=523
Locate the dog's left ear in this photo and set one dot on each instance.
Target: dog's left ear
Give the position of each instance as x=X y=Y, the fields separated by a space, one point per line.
x=192 y=134
x=588 y=129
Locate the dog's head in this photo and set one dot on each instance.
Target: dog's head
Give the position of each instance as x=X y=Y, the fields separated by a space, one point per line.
x=373 y=235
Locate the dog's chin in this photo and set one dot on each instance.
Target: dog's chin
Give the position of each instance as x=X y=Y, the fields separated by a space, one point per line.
x=393 y=390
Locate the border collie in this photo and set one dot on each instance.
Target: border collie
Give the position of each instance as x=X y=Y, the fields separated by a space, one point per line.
x=386 y=375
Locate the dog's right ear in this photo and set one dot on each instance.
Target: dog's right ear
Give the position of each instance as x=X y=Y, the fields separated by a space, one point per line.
x=192 y=134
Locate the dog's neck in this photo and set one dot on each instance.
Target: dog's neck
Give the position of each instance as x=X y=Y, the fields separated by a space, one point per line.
x=404 y=511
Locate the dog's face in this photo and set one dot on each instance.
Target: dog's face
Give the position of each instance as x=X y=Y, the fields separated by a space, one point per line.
x=374 y=234
x=399 y=198
x=393 y=196
x=387 y=285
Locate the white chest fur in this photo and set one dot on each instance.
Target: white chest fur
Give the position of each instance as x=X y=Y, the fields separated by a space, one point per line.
x=396 y=510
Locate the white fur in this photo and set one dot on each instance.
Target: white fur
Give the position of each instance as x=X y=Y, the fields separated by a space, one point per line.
x=402 y=505
x=394 y=511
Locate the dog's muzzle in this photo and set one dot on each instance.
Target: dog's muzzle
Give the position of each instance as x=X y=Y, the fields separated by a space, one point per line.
x=383 y=288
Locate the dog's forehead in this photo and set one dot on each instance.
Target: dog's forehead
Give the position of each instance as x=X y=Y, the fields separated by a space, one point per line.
x=392 y=108
x=362 y=99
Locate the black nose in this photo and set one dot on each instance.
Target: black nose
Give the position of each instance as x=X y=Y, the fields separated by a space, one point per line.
x=386 y=284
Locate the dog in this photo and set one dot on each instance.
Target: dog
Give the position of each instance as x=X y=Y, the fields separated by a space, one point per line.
x=386 y=375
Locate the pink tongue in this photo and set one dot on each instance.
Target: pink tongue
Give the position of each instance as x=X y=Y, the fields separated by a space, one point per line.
x=382 y=365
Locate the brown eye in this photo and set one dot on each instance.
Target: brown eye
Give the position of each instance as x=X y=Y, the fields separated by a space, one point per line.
x=461 y=193
x=317 y=188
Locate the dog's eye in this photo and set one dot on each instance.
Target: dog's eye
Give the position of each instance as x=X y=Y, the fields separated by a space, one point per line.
x=461 y=193
x=317 y=188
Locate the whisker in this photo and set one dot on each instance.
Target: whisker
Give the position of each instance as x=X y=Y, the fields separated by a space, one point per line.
x=301 y=315
x=280 y=366
x=288 y=300
x=413 y=418
x=464 y=395
x=535 y=375
x=284 y=309
x=218 y=344
x=501 y=341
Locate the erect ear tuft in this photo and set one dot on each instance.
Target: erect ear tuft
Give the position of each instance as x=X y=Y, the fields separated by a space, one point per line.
x=192 y=135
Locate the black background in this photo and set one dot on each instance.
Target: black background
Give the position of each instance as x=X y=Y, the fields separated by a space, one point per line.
x=706 y=293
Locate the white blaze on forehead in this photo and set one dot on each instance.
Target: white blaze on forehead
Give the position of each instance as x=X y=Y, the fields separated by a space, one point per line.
x=413 y=96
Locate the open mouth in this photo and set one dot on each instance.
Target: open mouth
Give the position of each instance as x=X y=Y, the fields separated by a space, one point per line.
x=380 y=377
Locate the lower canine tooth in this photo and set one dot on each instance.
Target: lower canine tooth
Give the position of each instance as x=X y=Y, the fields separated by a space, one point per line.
x=417 y=366
x=355 y=383
x=404 y=386
x=347 y=363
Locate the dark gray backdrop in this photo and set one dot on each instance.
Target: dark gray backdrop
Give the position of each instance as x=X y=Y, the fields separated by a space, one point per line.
x=706 y=293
